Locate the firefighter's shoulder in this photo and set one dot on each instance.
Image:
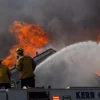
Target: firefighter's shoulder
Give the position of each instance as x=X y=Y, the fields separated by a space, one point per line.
x=29 y=57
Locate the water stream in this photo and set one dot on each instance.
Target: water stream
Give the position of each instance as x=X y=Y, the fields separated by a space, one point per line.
x=73 y=66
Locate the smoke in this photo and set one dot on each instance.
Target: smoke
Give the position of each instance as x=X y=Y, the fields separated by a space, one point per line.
x=66 y=21
x=75 y=65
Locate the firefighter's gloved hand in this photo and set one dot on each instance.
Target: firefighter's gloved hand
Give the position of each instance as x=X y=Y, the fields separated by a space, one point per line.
x=17 y=57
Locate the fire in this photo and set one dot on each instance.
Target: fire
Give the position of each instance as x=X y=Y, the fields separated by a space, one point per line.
x=29 y=36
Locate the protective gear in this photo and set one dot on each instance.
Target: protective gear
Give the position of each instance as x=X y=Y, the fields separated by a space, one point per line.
x=17 y=57
x=24 y=66
x=4 y=74
x=19 y=50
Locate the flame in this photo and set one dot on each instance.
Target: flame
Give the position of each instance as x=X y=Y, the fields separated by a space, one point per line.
x=29 y=36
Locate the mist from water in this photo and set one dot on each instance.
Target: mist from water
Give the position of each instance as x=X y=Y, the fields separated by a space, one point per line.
x=74 y=65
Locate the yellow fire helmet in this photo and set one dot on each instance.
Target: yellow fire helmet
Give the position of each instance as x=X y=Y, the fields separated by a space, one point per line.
x=18 y=50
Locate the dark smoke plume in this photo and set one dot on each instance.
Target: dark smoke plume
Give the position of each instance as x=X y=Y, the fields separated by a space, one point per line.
x=66 y=21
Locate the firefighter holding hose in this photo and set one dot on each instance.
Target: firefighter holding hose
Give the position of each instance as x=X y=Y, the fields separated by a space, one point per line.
x=26 y=66
x=5 y=76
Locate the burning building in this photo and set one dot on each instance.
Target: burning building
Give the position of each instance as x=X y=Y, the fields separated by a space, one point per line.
x=32 y=38
x=28 y=36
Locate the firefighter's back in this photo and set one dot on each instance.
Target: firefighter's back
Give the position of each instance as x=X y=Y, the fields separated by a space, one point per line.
x=27 y=70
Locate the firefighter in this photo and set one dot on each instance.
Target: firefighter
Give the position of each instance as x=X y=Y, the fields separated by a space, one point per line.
x=26 y=66
x=5 y=76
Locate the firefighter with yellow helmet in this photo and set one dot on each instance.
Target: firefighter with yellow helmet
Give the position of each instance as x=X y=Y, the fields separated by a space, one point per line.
x=26 y=66
x=5 y=76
